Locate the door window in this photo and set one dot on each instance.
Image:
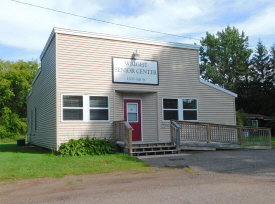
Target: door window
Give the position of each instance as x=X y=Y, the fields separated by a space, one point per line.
x=132 y=112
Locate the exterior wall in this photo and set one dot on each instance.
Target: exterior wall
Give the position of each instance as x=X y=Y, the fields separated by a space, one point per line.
x=149 y=114
x=84 y=66
x=43 y=99
x=214 y=106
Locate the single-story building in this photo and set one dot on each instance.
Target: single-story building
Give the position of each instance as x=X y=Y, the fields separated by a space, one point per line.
x=258 y=120
x=89 y=80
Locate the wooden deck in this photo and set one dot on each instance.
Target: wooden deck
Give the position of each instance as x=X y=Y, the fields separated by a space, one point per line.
x=197 y=145
x=195 y=136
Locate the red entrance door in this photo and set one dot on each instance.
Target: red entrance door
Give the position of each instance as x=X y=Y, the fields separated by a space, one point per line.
x=132 y=114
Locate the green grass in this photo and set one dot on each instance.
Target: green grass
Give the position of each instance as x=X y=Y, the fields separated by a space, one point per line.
x=12 y=139
x=34 y=162
x=273 y=142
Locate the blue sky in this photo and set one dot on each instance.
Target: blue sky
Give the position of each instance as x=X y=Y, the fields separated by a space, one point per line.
x=25 y=29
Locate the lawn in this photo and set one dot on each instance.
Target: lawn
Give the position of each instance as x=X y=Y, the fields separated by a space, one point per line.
x=34 y=162
x=273 y=141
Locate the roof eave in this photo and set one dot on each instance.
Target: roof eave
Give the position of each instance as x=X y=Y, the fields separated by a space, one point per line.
x=219 y=88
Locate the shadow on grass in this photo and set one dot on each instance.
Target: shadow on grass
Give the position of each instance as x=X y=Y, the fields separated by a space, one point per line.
x=23 y=149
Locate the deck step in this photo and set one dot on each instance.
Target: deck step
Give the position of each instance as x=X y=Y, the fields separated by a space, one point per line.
x=150 y=148
x=159 y=147
x=153 y=145
x=145 y=153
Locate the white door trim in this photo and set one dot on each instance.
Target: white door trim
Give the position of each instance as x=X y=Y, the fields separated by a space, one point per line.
x=141 y=121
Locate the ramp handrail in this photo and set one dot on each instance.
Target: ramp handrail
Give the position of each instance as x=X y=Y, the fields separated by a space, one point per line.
x=175 y=134
x=123 y=132
x=210 y=132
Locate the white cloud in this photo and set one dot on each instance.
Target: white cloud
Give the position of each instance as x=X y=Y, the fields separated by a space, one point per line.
x=28 y=27
x=261 y=23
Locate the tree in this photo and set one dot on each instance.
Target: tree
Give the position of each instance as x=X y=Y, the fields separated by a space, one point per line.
x=271 y=78
x=261 y=69
x=225 y=58
x=15 y=84
x=257 y=94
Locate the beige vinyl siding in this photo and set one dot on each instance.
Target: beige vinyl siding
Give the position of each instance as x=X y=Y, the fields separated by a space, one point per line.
x=43 y=99
x=149 y=115
x=118 y=106
x=214 y=106
x=76 y=76
x=85 y=67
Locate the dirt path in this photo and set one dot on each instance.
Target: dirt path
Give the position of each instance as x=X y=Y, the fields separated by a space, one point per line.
x=163 y=185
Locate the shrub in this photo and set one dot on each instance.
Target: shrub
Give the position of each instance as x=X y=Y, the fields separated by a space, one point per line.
x=81 y=147
x=241 y=119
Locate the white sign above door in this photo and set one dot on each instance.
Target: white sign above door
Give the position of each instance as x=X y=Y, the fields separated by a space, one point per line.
x=135 y=71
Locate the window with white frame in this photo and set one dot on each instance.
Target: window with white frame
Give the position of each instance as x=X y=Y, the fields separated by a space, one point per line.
x=85 y=108
x=190 y=110
x=99 y=108
x=72 y=107
x=132 y=112
x=170 y=109
x=180 y=109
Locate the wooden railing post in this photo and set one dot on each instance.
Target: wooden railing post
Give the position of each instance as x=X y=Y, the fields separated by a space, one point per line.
x=241 y=136
x=171 y=132
x=130 y=141
x=178 y=140
x=269 y=135
x=208 y=133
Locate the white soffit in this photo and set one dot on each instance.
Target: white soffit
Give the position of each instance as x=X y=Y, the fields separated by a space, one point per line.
x=116 y=37
x=219 y=88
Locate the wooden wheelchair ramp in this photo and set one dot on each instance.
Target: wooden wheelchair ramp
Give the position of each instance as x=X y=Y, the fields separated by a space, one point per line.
x=195 y=136
x=207 y=136
x=192 y=145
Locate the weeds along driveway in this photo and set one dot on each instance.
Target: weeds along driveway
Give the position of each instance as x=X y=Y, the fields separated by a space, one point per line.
x=247 y=162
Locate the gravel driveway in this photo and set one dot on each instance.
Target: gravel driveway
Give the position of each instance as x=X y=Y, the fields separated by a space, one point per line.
x=247 y=162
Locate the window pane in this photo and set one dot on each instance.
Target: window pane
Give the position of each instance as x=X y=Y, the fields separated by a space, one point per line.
x=170 y=103
x=132 y=108
x=189 y=115
x=72 y=114
x=170 y=115
x=98 y=114
x=98 y=102
x=189 y=103
x=132 y=117
x=72 y=101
